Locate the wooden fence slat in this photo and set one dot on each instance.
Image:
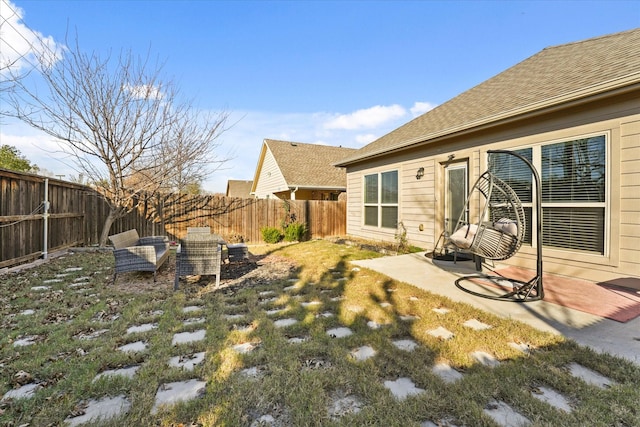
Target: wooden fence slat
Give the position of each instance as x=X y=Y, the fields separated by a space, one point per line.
x=77 y=213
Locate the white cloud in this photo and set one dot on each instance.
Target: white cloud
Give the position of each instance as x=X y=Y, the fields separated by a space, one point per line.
x=367 y=118
x=366 y=139
x=419 y=108
x=240 y=144
x=20 y=47
x=145 y=92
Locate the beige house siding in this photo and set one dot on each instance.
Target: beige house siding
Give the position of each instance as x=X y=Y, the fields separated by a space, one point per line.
x=270 y=179
x=422 y=201
x=630 y=195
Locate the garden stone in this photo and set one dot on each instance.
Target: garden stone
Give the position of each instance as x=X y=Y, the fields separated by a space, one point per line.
x=194 y=321
x=523 y=347
x=311 y=303
x=188 y=337
x=476 y=325
x=244 y=348
x=283 y=323
x=339 y=332
x=187 y=362
x=363 y=353
x=409 y=318
x=551 y=397
x=23 y=342
x=325 y=314
x=127 y=372
x=191 y=309
x=297 y=340
x=40 y=288
x=485 y=358
x=402 y=388
x=505 y=415
x=441 y=310
x=141 y=328
x=104 y=409
x=589 y=376
x=341 y=406
x=24 y=392
x=27 y=312
x=442 y=333
x=134 y=347
x=180 y=391
x=72 y=269
x=234 y=316
x=446 y=372
x=406 y=345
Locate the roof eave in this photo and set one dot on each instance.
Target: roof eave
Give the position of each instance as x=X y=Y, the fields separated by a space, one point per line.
x=616 y=86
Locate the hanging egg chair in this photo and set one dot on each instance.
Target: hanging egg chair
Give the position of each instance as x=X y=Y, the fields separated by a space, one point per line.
x=497 y=235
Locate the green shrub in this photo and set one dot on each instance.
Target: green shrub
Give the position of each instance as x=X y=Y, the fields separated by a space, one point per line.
x=271 y=234
x=295 y=232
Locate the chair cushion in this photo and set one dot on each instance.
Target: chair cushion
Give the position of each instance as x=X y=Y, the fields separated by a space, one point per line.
x=463 y=236
x=506 y=225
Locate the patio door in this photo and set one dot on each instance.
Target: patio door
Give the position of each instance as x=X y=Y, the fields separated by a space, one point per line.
x=456 y=187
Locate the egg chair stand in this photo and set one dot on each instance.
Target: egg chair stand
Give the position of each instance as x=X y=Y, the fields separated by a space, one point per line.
x=498 y=235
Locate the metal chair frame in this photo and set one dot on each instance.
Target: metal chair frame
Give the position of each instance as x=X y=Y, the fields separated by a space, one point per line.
x=499 y=211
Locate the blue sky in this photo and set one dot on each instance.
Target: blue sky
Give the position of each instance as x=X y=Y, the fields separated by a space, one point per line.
x=329 y=72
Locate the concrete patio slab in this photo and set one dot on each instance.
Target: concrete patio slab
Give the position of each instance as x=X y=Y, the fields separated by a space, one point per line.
x=438 y=277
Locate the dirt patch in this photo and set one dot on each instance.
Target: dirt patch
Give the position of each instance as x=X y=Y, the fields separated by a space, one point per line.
x=255 y=271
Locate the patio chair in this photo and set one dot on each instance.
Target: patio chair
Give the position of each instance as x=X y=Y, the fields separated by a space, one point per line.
x=198 y=254
x=133 y=253
x=499 y=231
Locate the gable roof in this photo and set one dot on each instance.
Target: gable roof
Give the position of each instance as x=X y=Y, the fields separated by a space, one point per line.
x=308 y=165
x=554 y=76
x=239 y=188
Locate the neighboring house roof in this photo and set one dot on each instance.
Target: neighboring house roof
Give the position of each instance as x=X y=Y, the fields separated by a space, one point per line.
x=554 y=76
x=306 y=165
x=238 y=188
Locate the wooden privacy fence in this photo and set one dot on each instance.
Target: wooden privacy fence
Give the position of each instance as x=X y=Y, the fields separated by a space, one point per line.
x=76 y=215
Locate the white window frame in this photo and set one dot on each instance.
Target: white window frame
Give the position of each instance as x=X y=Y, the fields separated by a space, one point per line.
x=378 y=204
x=537 y=163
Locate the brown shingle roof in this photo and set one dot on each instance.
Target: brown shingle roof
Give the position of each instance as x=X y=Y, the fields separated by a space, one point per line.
x=310 y=165
x=553 y=76
x=238 y=188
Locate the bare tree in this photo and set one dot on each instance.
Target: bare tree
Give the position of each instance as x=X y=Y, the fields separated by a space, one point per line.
x=123 y=126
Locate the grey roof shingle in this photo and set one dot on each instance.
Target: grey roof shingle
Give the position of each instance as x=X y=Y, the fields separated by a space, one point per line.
x=553 y=76
x=310 y=165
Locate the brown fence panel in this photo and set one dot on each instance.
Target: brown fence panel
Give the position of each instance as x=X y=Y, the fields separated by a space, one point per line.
x=77 y=214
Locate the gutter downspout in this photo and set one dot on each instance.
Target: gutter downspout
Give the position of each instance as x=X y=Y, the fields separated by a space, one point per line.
x=293 y=193
x=45 y=217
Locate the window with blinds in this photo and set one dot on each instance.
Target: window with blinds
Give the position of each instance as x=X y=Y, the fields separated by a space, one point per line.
x=381 y=199
x=573 y=175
